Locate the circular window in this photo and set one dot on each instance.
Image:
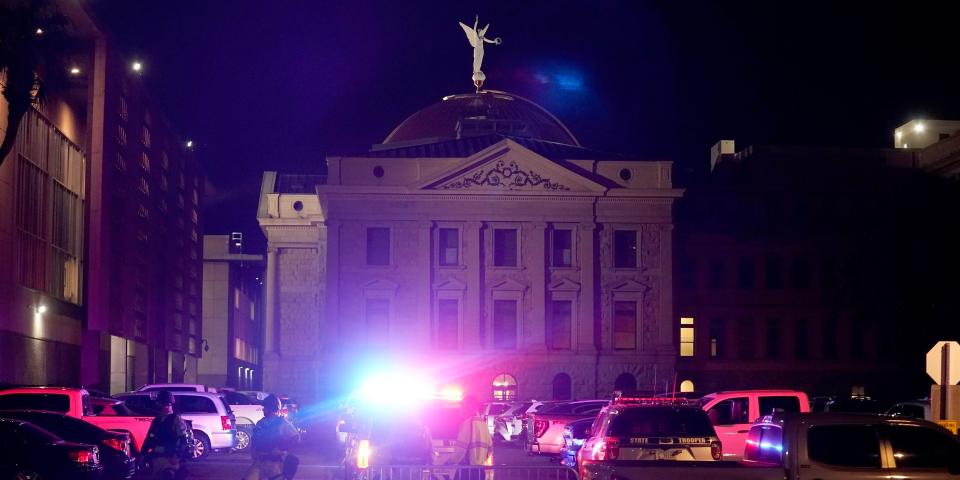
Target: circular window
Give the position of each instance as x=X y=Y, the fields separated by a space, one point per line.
x=625 y=174
x=378 y=171
x=298 y=205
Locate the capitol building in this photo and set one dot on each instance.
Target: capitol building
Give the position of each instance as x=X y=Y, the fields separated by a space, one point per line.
x=480 y=243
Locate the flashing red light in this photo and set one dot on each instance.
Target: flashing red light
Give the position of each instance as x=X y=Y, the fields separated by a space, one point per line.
x=610 y=449
x=651 y=401
x=225 y=422
x=540 y=427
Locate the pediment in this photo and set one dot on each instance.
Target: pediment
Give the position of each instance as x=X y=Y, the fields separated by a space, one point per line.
x=630 y=286
x=450 y=284
x=564 y=285
x=381 y=285
x=509 y=285
x=509 y=166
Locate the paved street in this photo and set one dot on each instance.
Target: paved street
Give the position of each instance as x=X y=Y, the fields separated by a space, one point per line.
x=317 y=466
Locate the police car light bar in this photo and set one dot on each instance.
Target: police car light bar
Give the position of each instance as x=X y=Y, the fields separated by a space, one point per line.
x=623 y=400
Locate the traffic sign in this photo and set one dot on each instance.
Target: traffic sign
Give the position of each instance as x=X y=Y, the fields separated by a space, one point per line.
x=939 y=359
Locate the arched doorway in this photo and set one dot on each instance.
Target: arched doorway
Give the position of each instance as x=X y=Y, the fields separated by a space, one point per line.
x=686 y=386
x=625 y=382
x=504 y=388
x=562 y=389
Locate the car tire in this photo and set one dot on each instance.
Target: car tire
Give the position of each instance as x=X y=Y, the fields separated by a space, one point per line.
x=202 y=448
x=244 y=437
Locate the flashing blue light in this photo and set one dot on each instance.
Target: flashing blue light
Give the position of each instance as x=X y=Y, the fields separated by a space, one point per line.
x=569 y=82
x=768 y=445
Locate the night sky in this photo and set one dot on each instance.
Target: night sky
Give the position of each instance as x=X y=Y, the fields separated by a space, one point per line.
x=278 y=85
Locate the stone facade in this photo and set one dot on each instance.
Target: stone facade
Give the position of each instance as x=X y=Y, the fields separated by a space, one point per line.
x=336 y=315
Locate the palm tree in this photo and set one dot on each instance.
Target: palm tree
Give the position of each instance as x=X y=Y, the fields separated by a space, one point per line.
x=30 y=33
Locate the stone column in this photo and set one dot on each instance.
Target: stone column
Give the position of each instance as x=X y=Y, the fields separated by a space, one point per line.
x=535 y=325
x=332 y=320
x=587 y=318
x=270 y=325
x=422 y=334
x=473 y=296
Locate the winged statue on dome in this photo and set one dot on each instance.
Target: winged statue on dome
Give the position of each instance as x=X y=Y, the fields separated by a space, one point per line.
x=477 y=37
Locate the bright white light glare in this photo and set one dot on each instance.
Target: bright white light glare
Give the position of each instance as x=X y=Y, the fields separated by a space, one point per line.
x=189 y=143
x=136 y=66
x=918 y=127
x=905 y=145
x=399 y=388
x=74 y=71
x=39 y=31
x=41 y=309
x=898 y=133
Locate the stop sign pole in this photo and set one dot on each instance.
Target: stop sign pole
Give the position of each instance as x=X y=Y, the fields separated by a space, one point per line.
x=944 y=379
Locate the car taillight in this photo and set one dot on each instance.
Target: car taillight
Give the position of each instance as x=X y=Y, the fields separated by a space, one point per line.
x=89 y=456
x=540 y=427
x=363 y=454
x=716 y=450
x=118 y=444
x=225 y=422
x=284 y=412
x=607 y=449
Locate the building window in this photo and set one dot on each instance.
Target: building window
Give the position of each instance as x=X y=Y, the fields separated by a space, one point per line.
x=801 y=346
x=145 y=136
x=560 y=325
x=121 y=136
x=746 y=273
x=774 y=271
x=625 y=382
x=144 y=186
x=625 y=249
x=164 y=160
x=504 y=247
x=716 y=274
x=122 y=109
x=505 y=324
x=143 y=212
x=504 y=388
x=801 y=273
x=562 y=248
x=686 y=337
x=562 y=387
x=378 y=246
x=449 y=240
x=857 y=340
x=745 y=339
x=378 y=320
x=625 y=325
x=716 y=338
x=688 y=273
x=686 y=386
x=773 y=338
x=448 y=323
x=828 y=274
x=145 y=161
x=120 y=163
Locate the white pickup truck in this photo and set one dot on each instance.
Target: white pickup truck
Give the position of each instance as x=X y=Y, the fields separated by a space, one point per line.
x=814 y=446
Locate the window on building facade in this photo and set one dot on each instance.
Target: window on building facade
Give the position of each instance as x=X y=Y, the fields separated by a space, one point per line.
x=801 y=273
x=773 y=271
x=560 y=325
x=164 y=160
x=745 y=339
x=687 y=270
x=144 y=186
x=686 y=337
x=716 y=338
x=830 y=329
x=145 y=161
x=801 y=347
x=625 y=249
x=378 y=246
x=377 y=312
x=448 y=323
x=119 y=163
x=858 y=330
x=505 y=324
x=562 y=387
x=145 y=136
x=625 y=382
x=746 y=272
x=505 y=247
x=562 y=248
x=773 y=338
x=121 y=136
x=122 y=109
x=717 y=274
x=625 y=325
x=504 y=388
x=449 y=245
x=828 y=274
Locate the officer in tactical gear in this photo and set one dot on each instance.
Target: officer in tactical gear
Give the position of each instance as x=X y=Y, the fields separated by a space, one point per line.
x=272 y=438
x=167 y=441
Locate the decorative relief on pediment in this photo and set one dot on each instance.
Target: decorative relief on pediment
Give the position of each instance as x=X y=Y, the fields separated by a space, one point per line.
x=506 y=175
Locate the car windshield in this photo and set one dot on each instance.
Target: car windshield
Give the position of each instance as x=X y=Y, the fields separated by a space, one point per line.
x=661 y=422
x=235 y=398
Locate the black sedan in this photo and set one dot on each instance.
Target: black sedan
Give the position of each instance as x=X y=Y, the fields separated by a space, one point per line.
x=115 y=448
x=28 y=452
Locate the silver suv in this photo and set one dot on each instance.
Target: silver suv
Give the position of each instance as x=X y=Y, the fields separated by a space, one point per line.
x=214 y=425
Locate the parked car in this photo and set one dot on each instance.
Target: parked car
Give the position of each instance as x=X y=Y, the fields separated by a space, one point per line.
x=919 y=409
x=857 y=404
x=213 y=422
x=28 y=451
x=490 y=412
x=732 y=413
x=77 y=403
x=546 y=435
x=574 y=434
x=815 y=445
x=116 y=449
x=176 y=387
x=248 y=412
x=508 y=425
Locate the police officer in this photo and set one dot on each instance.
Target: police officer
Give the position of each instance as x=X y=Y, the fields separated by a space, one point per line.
x=473 y=439
x=167 y=440
x=272 y=437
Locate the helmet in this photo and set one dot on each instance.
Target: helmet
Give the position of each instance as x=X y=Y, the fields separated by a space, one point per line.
x=165 y=398
x=271 y=403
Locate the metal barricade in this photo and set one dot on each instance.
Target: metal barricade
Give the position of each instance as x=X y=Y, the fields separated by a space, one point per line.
x=454 y=472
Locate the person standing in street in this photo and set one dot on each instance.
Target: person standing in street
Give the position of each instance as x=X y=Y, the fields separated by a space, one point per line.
x=272 y=438
x=167 y=441
x=474 y=444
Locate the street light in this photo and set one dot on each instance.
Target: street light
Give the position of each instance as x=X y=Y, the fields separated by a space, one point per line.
x=189 y=143
x=41 y=309
x=74 y=70
x=136 y=66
